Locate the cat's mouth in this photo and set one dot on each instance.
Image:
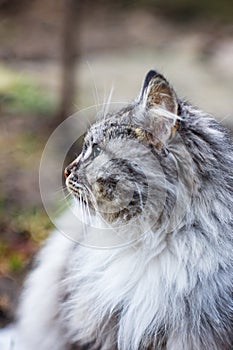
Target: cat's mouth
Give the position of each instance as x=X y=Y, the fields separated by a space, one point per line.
x=77 y=190
x=73 y=186
x=111 y=216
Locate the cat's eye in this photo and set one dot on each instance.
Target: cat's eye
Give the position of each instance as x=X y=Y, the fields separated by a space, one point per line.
x=95 y=151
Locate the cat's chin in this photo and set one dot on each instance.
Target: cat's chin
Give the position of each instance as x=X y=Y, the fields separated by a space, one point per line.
x=111 y=216
x=121 y=217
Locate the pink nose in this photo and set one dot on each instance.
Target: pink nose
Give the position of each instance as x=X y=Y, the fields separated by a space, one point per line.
x=72 y=167
x=67 y=171
x=69 y=168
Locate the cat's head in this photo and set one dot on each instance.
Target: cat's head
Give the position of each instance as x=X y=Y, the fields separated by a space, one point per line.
x=126 y=169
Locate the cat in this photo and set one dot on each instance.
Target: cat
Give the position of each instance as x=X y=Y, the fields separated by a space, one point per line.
x=158 y=176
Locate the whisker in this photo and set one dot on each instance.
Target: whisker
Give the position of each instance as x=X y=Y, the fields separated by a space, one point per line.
x=83 y=219
x=140 y=196
x=106 y=104
x=224 y=118
x=67 y=195
x=92 y=198
x=88 y=210
x=61 y=189
x=96 y=95
x=98 y=214
x=85 y=209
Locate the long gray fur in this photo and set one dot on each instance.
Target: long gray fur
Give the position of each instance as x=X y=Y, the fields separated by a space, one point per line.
x=172 y=288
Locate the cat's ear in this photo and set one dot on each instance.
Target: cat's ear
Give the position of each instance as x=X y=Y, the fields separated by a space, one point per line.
x=159 y=99
x=157 y=92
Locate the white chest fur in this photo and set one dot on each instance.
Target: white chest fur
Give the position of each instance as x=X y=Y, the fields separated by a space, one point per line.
x=145 y=290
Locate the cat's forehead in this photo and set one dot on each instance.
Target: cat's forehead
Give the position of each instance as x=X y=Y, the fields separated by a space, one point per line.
x=101 y=130
x=114 y=121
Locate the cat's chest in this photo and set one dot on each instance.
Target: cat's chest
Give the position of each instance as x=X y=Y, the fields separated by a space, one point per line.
x=113 y=280
x=130 y=287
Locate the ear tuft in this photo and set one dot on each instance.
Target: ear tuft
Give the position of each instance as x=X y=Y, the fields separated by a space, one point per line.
x=157 y=91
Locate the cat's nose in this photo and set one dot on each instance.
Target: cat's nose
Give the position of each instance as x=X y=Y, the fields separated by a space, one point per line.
x=67 y=171
x=72 y=166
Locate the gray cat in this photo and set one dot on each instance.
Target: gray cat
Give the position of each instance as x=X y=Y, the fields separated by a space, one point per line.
x=157 y=175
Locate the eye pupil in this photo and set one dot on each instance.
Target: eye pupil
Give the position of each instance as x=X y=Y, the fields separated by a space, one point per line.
x=96 y=151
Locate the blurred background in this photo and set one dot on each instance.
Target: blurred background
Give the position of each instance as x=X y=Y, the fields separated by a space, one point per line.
x=59 y=56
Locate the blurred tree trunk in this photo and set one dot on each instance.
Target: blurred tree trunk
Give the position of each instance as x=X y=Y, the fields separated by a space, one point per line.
x=70 y=53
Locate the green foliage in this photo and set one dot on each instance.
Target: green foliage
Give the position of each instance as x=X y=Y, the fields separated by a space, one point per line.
x=35 y=222
x=22 y=95
x=21 y=238
x=26 y=97
x=192 y=9
x=15 y=262
x=183 y=10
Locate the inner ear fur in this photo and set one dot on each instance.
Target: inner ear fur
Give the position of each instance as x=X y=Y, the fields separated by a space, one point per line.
x=158 y=92
x=161 y=102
